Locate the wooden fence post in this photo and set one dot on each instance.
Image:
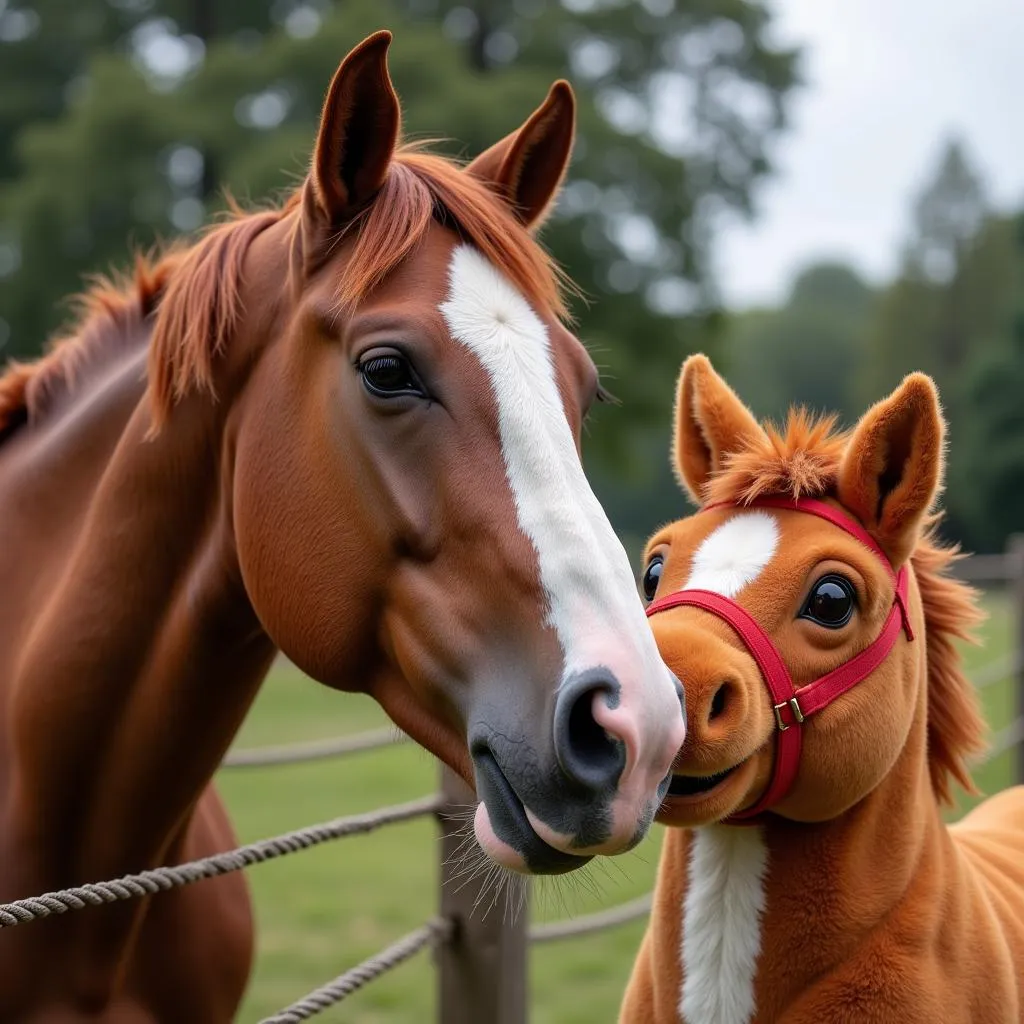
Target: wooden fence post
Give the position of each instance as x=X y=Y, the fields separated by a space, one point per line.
x=1015 y=555
x=483 y=966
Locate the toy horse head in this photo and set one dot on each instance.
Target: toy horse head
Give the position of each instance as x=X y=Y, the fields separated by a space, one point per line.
x=791 y=606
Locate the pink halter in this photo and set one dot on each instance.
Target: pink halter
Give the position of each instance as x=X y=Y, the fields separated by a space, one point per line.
x=792 y=706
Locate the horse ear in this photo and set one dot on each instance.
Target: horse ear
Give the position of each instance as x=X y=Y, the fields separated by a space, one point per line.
x=892 y=470
x=358 y=134
x=527 y=166
x=710 y=423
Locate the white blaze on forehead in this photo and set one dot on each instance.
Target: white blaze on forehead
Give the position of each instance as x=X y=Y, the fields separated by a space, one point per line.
x=735 y=554
x=584 y=570
x=722 y=911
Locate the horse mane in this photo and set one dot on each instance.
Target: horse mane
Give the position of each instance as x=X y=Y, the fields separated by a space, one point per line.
x=104 y=322
x=802 y=459
x=193 y=293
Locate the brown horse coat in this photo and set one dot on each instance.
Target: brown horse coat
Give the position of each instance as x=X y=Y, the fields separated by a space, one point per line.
x=850 y=901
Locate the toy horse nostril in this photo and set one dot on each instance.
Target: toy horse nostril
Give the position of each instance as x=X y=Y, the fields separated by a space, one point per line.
x=720 y=702
x=587 y=753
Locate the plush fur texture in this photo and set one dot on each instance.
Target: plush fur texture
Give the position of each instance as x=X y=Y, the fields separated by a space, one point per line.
x=892 y=466
x=710 y=422
x=734 y=554
x=722 y=924
x=873 y=909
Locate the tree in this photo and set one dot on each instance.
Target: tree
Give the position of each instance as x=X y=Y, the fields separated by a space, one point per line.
x=161 y=98
x=947 y=216
x=987 y=472
x=924 y=320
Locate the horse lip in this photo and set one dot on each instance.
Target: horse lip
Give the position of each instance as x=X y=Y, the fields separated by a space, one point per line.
x=504 y=806
x=684 y=786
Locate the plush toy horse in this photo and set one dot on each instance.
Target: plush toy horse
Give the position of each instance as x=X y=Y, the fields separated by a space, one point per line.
x=808 y=612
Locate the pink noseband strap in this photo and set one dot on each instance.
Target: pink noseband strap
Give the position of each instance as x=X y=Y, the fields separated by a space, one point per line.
x=792 y=706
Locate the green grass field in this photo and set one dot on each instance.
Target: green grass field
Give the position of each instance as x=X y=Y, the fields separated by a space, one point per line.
x=324 y=910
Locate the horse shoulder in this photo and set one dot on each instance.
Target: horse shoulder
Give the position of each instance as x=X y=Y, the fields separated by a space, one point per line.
x=206 y=931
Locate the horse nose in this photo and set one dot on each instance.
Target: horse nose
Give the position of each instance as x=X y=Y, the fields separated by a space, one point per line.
x=680 y=693
x=719 y=707
x=592 y=743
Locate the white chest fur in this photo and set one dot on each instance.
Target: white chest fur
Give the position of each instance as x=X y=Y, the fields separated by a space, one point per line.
x=725 y=899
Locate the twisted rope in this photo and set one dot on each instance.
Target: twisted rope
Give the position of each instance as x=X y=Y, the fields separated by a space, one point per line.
x=344 y=985
x=598 y=922
x=163 y=878
x=997 y=671
x=1005 y=739
x=296 y=753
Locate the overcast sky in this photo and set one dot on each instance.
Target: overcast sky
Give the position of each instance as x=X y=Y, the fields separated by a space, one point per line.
x=887 y=82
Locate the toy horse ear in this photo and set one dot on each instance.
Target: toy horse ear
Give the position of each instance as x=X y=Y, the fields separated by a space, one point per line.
x=358 y=134
x=892 y=469
x=710 y=423
x=527 y=166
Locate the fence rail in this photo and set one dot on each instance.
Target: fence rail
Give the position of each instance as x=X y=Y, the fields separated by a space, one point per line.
x=481 y=954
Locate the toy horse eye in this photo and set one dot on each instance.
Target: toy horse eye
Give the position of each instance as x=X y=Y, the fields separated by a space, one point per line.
x=389 y=375
x=652 y=577
x=831 y=602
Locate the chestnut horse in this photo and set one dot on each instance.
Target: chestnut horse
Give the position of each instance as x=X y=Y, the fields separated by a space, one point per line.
x=346 y=429
x=809 y=612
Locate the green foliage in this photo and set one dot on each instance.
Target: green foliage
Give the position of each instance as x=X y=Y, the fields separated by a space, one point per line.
x=806 y=352
x=926 y=320
x=987 y=475
x=120 y=118
x=955 y=312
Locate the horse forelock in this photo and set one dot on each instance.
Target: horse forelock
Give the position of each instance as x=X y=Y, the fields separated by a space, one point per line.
x=801 y=459
x=422 y=187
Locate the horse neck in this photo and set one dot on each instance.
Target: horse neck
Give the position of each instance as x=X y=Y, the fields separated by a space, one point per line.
x=832 y=889
x=141 y=654
x=831 y=886
x=768 y=910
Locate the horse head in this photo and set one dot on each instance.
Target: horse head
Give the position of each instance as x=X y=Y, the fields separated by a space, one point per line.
x=790 y=606
x=409 y=508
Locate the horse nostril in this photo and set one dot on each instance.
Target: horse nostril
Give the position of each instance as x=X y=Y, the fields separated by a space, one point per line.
x=720 y=701
x=585 y=751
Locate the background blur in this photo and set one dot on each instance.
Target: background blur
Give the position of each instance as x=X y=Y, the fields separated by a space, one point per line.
x=121 y=120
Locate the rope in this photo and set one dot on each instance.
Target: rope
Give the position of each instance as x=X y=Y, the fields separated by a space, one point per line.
x=295 y=753
x=625 y=912
x=163 y=878
x=996 y=671
x=1005 y=739
x=349 y=982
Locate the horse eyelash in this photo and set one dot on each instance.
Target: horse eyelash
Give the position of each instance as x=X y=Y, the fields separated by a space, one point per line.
x=604 y=395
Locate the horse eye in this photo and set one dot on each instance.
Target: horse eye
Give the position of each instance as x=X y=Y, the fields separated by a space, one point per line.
x=831 y=602
x=652 y=576
x=388 y=375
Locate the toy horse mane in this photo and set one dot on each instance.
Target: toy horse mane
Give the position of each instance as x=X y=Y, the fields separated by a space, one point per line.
x=802 y=460
x=193 y=292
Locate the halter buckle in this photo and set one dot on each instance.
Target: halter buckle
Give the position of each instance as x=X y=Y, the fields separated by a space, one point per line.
x=794 y=705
